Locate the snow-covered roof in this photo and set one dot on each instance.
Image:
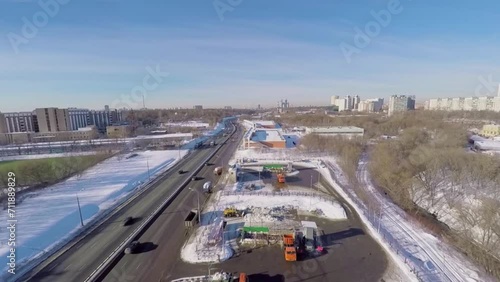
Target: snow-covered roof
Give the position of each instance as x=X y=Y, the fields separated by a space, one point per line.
x=336 y=129
x=487 y=145
x=267 y=135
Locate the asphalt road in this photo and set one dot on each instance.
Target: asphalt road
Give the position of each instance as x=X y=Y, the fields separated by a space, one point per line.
x=352 y=255
x=81 y=260
x=161 y=242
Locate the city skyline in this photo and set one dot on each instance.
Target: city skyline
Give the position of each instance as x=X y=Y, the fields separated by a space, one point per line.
x=256 y=53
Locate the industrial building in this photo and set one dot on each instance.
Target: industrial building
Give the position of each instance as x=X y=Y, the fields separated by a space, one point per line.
x=401 y=103
x=265 y=133
x=345 y=131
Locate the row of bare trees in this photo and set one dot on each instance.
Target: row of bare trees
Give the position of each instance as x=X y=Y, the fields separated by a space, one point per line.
x=48 y=171
x=432 y=170
x=426 y=170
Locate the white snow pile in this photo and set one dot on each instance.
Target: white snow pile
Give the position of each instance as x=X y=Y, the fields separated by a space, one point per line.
x=331 y=209
x=51 y=215
x=199 y=250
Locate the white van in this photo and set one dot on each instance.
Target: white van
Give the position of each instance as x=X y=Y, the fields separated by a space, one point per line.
x=207 y=187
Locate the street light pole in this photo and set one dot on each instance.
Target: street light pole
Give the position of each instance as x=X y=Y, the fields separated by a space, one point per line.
x=79 y=210
x=198 y=199
x=149 y=175
x=311 y=182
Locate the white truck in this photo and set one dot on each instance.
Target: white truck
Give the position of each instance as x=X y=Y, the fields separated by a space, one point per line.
x=207 y=187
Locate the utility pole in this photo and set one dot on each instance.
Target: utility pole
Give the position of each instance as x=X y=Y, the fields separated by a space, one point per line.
x=379 y=220
x=79 y=210
x=198 y=200
x=149 y=175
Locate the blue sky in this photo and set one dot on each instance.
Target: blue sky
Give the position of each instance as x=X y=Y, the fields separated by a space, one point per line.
x=92 y=53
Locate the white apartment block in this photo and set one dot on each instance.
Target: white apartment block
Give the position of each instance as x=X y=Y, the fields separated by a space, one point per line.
x=401 y=103
x=488 y=103
x=371 y=105
x=348 y=103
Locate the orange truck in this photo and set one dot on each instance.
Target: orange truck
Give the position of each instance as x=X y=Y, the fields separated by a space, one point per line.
x=281 y=178
x=218 y=170
x=289 y=244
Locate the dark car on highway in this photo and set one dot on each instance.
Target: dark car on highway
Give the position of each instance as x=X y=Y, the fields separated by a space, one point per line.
x=128 y=221
x=132 y=248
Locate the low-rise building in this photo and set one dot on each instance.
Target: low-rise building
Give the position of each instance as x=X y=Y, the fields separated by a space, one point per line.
x=490 y=130
x=85 y=133
x=347 y=131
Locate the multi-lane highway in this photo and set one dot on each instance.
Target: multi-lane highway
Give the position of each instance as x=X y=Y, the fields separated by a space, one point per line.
x=78 y=262
x=164 y=239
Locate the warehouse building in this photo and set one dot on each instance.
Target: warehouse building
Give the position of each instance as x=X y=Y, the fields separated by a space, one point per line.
x=345 y=131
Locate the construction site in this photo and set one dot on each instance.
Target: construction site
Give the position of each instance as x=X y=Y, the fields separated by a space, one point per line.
x=263 y=205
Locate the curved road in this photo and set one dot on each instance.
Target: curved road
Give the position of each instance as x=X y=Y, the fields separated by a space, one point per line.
x=77 y=263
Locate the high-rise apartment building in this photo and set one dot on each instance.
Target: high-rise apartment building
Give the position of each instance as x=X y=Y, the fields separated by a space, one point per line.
x=79 y=118
x=401 y=103
x=52 y=119
x=20 y=122
x=333 y=100
x=355 y=102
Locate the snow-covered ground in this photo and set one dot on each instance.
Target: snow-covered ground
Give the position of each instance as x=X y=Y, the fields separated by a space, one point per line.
x=431 y=258
x=45 y=156
x=50 y=216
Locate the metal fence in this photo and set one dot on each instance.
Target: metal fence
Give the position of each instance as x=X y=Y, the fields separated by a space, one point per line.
x=395 y=241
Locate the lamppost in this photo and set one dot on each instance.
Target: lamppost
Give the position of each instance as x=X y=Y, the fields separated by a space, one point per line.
x=311 y=182
x=79 y=209
x=147 y=164
x=198 y=198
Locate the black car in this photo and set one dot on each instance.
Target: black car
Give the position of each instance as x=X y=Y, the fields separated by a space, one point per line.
x=128 y=221
x=132 y=248
x=181 y=171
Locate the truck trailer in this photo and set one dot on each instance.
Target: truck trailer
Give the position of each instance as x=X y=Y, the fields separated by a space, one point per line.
x=290 y=249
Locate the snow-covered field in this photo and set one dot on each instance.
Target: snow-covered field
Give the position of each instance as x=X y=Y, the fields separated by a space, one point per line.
x=432 y=259
x=301 y=202
x=50 y=216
